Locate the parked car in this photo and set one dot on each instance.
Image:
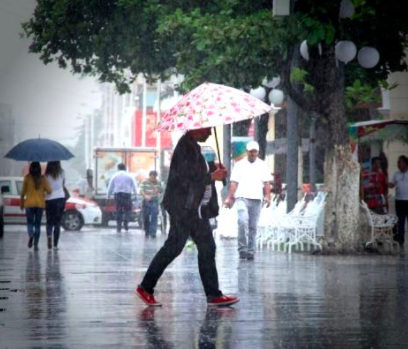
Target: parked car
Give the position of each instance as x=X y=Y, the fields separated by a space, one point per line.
x=78 y=211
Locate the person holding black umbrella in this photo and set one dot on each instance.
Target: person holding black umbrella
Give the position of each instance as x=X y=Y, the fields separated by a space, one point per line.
x=32 y=199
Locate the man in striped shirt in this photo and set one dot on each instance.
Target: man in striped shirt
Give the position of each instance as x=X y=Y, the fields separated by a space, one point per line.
x=151 y=190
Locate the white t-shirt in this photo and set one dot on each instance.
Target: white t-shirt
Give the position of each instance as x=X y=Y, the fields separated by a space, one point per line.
x=400 y=179
x=251 y=177
x=57 y=186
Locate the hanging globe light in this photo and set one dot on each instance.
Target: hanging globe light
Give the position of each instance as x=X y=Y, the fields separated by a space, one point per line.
x=368 y=57
x=259 y=93
x=304 y=50
x=345 y=51
x=346 y=9
x=272 y=83
x=276 y=96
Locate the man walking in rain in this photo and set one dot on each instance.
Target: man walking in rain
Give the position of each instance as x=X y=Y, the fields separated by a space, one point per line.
x=151 y=191
x=191 y=200
x=122 y=185
x=250 y=183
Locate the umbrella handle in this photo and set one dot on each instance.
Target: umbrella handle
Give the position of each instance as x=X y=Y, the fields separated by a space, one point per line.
x=216 y=142
x=224 y=182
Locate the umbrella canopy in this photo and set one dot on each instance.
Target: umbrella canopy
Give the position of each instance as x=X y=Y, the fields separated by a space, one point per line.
x=378 y=130
x=210 y=105
x=39 y=149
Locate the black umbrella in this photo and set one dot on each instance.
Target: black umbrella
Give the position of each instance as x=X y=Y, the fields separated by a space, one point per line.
x=39 y=149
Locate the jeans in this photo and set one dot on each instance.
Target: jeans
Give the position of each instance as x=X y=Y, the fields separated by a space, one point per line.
x=189 y=224
x=123 y=204
x=248 y=216
x=34 y=216
x=150 y=212
x=401 y=208
x=53 y=210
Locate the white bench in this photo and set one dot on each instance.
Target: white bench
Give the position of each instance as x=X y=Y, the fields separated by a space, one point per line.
x=381 y=225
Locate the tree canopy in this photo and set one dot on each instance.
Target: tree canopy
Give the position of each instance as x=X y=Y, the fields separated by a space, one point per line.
x=233 y=42
x=236 y=42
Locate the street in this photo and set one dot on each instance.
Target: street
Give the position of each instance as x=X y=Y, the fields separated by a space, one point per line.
x=82 y=296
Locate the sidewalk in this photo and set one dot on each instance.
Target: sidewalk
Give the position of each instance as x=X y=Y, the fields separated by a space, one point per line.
x=82 y=296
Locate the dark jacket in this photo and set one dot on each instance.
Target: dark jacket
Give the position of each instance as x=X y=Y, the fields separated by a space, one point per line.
x=187 y=180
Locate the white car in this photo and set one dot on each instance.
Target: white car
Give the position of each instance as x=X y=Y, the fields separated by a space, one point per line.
x=78 y=211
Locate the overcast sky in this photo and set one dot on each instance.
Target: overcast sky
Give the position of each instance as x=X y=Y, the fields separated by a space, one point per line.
x=45 y=100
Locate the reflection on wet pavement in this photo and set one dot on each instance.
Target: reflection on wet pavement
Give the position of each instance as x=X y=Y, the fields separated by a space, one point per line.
x=82 y=296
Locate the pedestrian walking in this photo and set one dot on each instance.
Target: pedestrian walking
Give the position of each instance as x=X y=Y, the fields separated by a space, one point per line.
x=400 y=182
x=250 y=184
x=151 y=191
x=190 y=199
x=375 y=187
x=122 y=185
x=54 y=202
x=32 y=199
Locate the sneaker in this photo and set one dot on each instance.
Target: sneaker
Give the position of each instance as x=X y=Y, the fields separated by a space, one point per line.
x=56 y=248
x=49 y=243
x=30 y=242
x=243 y=255
x=250 y=256
x=223 y=301
x=147 y=298
x=36 y=247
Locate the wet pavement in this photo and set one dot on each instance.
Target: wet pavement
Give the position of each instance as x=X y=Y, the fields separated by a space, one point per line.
x=82 y=296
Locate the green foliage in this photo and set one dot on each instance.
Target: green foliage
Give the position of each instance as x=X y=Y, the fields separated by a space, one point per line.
x=234 y=42
x=359 y=93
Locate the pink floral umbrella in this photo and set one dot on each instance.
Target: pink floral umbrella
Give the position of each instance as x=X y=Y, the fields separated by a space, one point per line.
x=210 y=105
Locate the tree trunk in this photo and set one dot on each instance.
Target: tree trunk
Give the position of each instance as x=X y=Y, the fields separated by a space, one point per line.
x=262 y=130
x=342 y=176
x=241 y=128
x=342 y=172
x=312 y=154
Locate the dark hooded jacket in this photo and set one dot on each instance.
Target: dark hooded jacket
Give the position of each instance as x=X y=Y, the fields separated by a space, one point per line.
x=188 y=178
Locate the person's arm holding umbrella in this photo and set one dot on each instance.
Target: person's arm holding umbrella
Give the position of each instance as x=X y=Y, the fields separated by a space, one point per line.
x=46 y=185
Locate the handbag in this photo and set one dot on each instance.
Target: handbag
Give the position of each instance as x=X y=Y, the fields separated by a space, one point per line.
x=66 y=193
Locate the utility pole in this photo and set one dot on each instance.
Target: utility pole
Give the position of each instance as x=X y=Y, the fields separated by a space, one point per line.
x=158 y=134
x=292 y=154
x=226 y=156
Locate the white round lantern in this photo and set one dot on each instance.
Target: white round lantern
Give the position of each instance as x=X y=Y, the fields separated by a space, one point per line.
x=272 y=83
x=276 y=96
x=368 y=57
x=259 y=93
x=346 y=9
x=304 y=50
x=345 y=51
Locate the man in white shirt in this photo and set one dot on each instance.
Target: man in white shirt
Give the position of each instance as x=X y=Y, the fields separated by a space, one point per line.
x=122 y=185
x=250 y=183
x=400 y=182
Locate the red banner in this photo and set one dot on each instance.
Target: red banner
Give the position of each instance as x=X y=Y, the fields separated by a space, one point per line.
x=151 y=133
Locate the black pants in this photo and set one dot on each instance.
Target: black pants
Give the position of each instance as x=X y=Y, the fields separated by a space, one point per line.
x=123 y=205
x=401 y=208
x=54 y=210
x=180 y=229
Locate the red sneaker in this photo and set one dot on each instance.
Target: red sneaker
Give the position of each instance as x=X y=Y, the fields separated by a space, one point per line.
x=222 y=301
x=147 y=298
